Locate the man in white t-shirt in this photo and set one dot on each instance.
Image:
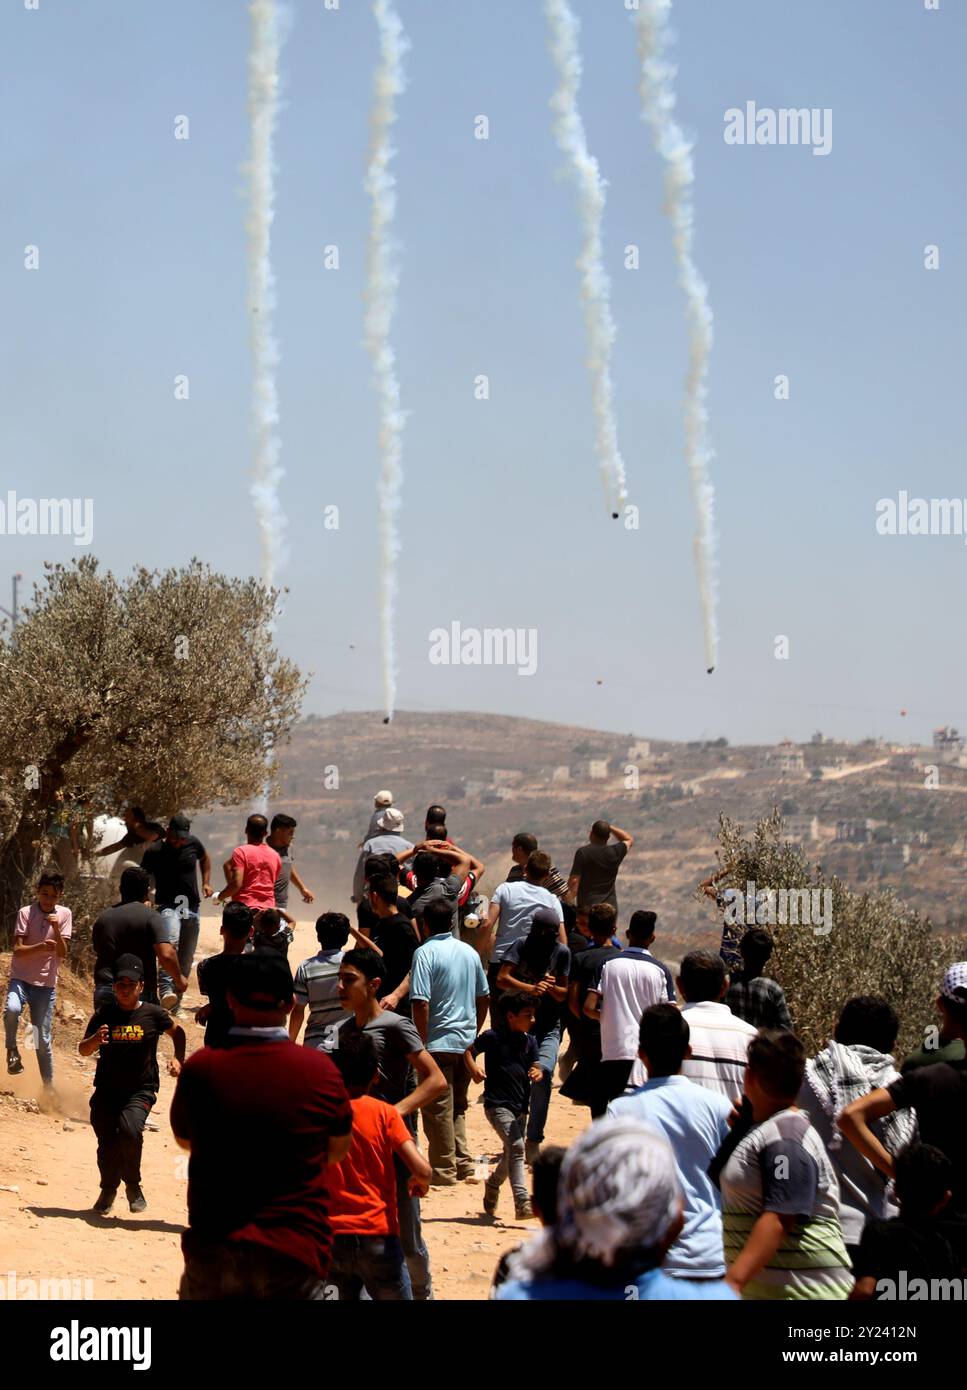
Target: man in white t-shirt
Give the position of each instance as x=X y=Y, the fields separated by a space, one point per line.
x=629 y=983
x=512 y=909
x=719 y=1039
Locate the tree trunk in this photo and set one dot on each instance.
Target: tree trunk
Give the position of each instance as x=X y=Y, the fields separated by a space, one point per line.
x=21 y=854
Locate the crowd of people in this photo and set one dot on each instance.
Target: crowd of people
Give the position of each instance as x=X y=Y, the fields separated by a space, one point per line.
x=720 y=1160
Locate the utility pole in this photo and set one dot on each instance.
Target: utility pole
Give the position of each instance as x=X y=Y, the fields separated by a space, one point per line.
x=13 y=612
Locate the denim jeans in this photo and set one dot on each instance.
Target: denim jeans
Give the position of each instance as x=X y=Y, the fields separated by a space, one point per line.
x=411 y=1229
x=119 y=1124
x=233 y=1269
x=373 y=1263
x=548 y=1046
x=510 y=1127
x=41 y=1001
x=182 y=929
x=445 y=1122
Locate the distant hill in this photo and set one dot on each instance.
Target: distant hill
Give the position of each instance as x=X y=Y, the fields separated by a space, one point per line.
x=498 y=775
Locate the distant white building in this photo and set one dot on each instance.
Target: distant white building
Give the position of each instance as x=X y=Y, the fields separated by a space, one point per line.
x=786 y=759
x=856 y=832
x=890 y=858
x=801 y=830
x=505 y=777
x=598 y=769
x=561 y=774
x=640 y=751
x=948 y=744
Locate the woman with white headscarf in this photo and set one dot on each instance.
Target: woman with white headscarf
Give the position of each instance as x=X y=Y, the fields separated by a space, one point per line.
x=619 y=1209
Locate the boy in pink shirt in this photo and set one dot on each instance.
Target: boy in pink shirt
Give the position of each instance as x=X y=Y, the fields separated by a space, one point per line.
x=39 y=945
x=251 y=872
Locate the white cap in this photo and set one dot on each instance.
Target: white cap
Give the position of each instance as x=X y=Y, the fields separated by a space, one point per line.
x=383 y=799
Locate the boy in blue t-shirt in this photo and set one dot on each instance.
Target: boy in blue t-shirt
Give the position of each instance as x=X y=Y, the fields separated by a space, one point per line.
x=511 y=1052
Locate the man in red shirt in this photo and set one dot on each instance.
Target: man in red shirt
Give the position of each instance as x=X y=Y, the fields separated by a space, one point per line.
x=367 y=1253
x=251 y=872
x=263 y=1120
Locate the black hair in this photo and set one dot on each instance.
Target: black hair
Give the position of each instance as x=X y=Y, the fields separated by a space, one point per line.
x=702 y=976
x=50 y=878
x=602 y=919
x=357 y=1060
x=367 y=962
x=641 y=927
x=332 y=930
x=138 y=813
x=777 y=1059
x=436 y=830
x=537 y=948
x=755 y=947
x=282 y=822
x=270 y=919
x=237 y=920
x=438 y=917
x=601 y=830
x=381 y=866
x=435 y=815
x=134 y=885
x=525 y=841
x=514 y=1002
x=386 y=889
x=663 y=1037
x=257 y=826
x=545 y=1181
x=426 y=867
x=924 y=1175
x=868 y=1019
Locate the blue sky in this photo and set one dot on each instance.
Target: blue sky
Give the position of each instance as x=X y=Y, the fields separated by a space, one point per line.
x=815 y=267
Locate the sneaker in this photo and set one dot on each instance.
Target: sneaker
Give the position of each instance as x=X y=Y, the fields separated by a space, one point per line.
x=135 y=1198
x=169 y=999
x=14 y=1065
x=490 y=1200
x=105 y=1201
x=524 y=1212
x=531 y=1150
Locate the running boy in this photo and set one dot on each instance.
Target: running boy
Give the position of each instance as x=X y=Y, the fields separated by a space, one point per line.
x=39 y=945
x=511 y=1051
x=366 y=1252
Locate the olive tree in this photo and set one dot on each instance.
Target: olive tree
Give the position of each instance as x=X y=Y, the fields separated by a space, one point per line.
x=163 y=689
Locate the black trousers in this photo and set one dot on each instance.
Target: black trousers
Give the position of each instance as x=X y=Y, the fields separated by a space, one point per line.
x=119 y=1122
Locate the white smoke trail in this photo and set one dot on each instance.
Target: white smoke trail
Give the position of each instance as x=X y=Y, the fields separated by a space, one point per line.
x=263 y=106
x=381 y=290
x=658 y=107
x=569 y=131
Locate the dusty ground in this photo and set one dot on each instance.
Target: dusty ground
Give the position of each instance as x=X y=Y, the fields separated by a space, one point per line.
x=47 y=1231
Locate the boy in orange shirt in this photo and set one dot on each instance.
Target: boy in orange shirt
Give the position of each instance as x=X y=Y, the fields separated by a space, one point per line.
x=366 y=1249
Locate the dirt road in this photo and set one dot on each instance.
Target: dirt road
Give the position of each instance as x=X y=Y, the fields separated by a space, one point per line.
x=47 y=1231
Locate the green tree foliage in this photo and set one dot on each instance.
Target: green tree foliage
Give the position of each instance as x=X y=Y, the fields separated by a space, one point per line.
x=876 y=945
x=163 y=689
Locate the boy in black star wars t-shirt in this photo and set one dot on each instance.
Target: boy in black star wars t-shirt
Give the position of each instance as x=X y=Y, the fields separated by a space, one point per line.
x=125 y=1035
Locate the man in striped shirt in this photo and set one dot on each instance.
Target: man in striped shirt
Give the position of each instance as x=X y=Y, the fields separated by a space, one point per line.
x=316 y=986
x=719 y=1040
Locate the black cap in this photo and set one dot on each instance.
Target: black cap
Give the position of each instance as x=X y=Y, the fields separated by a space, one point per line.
x=181 y=825
x=545 y=917
x=261 y=980
x=128 y=968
